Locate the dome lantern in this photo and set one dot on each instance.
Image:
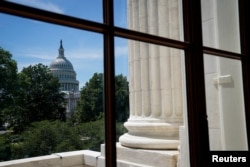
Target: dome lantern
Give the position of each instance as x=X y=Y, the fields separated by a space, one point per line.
x=61 y=50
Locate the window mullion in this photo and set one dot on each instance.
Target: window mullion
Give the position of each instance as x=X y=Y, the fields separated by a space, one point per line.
x=196 y=102
x=109 y=85
x=244 y=6
x=50 y=17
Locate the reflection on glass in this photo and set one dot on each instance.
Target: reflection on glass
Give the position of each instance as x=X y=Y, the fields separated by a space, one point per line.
x=157 y=17
x=220 y=24
x=90 y=10
x=56 y=91
x=225 y=105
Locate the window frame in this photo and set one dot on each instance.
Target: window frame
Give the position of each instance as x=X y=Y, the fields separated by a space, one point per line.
x=193 y=48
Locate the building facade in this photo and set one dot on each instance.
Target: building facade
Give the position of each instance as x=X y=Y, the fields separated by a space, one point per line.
x=158 y=131
x=158 y=115
x=63 y=69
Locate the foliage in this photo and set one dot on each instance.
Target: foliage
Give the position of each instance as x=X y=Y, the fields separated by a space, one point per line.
x=38 y=98
x=8 y=74
x=121 y=98
x=4 y=148
x=90 y=105
x=47 y=137
x=120 y=130
x=92 y=134
x=30 y=101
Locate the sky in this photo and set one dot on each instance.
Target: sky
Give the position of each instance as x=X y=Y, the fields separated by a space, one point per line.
x=31 y=42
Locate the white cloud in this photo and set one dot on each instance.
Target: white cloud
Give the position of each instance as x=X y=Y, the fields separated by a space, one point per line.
x=74 y=55
x=80 y=54
x=42 y=56
x=94 y=54
x=121 y=50
x=40 y=4
x=21 y=65
x=37 y=55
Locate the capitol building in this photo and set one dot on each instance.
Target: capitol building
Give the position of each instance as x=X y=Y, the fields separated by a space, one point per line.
x=63 y=69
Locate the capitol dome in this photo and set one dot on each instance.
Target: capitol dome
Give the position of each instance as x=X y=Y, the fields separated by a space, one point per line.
x=61 y=63
x=62 y=68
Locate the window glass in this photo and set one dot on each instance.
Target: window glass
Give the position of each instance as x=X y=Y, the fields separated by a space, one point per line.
x=220 y=23
x=159 y=17
x=121 y=91
x=225 y=103
x=156 y=101
x=44 y=114
x=90 y=10
x=121 y=84
x=121 y=13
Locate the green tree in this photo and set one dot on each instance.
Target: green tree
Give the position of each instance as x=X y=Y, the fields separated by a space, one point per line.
x=38 y=98
x=47 y=137
x=8 y=75
x=92 y=134
x=4 y=148
x=121 y=98
x=90 y=104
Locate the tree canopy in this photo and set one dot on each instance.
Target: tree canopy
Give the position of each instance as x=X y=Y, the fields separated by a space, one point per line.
x=8 y=75
x=121 y=98
x=31 y=102
x=38 y=98
x=90 y=105
x=47 y=137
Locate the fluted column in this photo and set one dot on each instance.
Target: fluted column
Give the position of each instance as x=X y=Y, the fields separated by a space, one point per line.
x=165 y=61
x=155 y=78
x=144 y=60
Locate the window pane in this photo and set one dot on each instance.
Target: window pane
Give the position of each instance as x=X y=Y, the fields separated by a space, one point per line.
x=157 y=17
x=220 y=22
x=156 y=103
x=121 y=82
x=75 y=58
x=121 y=90
x=225 y=104
x=90 y=10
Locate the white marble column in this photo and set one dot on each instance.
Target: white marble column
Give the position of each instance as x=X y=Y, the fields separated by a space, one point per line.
x=155 y=78
x=144 y=59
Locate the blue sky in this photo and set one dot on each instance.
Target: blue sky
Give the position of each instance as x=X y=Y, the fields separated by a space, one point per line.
x=31 y=42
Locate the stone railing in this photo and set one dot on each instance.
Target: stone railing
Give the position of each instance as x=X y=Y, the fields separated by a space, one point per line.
x=126 y=157
x=84 y=158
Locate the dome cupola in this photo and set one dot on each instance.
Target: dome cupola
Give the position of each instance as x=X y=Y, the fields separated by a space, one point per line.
x=62 y=68
x=61 y=62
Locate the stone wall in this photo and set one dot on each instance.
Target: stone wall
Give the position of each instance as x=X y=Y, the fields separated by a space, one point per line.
x=84 y=158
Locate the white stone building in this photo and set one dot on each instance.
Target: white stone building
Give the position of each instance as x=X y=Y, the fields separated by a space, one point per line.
x=63 y=69
x=157 y=127
x=158 y=116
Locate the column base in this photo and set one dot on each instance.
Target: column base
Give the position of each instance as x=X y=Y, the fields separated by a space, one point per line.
x=151 y=135
x=130 y=157
x=148 y=143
